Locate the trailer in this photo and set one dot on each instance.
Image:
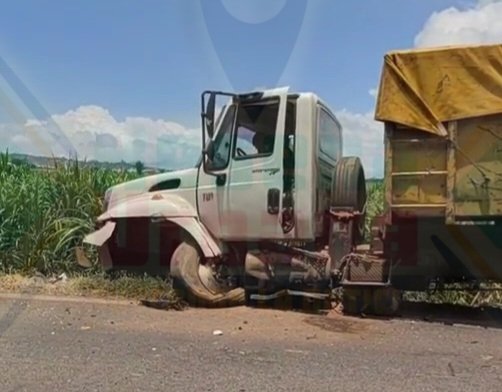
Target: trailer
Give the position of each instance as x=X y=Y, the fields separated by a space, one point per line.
x=442 y=110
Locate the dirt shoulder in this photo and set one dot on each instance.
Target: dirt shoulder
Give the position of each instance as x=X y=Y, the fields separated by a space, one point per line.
x=94 y=286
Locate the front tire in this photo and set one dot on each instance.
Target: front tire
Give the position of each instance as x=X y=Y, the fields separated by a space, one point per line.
x=195 y=282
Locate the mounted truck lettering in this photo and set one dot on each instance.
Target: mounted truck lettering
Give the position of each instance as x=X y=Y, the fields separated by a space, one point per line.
x=273 y=207
x=272 y=171
x=208 y=196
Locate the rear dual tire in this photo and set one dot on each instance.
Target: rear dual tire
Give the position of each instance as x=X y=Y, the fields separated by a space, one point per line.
x=378 y=301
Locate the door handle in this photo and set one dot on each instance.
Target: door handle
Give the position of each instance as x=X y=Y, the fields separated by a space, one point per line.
x=273 y=201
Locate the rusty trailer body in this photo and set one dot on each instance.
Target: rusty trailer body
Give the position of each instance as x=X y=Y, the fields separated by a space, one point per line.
x=443 y=164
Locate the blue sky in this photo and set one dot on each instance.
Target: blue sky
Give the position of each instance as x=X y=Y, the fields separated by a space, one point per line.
x=148 y=61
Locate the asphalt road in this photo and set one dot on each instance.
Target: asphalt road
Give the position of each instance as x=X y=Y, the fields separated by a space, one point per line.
x=77 y=345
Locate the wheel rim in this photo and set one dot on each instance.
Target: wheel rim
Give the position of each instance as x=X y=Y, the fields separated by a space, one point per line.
x=208 y=277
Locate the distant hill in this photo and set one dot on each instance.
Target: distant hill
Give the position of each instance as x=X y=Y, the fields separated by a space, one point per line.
x=51 y=162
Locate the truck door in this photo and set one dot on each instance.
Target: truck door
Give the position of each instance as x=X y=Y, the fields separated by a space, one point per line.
x=212 y=186
x=253 y=197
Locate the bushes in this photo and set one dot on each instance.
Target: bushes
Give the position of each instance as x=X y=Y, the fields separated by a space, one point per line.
x=44 y=213
x=374 y=206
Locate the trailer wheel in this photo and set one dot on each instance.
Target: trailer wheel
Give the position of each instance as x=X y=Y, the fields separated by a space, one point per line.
x=356 y=300
x=386 y=301
x=195 y=281
x=378 y=301
x=348 y=189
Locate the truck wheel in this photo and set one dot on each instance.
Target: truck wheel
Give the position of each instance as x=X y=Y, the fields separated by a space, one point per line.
x=348 y=189
x=196 y=283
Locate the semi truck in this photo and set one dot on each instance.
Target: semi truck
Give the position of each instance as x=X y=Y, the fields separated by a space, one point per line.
x=273 y=208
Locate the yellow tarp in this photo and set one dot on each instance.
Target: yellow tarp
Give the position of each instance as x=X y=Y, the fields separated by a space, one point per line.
x=424 y=88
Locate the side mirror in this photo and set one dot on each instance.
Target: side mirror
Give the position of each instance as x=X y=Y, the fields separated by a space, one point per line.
x=209 y=115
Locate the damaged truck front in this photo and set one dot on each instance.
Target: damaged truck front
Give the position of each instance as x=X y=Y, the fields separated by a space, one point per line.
x=254 y=216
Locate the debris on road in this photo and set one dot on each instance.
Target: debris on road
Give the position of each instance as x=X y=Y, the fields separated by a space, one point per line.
x=162 y=304
x=60 y=278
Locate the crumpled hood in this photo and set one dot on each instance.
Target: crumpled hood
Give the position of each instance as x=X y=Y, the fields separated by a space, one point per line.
x=170 y=181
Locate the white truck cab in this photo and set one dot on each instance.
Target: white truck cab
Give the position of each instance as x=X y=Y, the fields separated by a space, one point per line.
x=264 y=176
x=269 y=151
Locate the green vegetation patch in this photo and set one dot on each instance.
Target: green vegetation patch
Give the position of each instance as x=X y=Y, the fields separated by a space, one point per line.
x=45 y=213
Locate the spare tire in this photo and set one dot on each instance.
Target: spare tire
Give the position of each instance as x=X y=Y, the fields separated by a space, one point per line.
x=195 y=282
x=348 y=190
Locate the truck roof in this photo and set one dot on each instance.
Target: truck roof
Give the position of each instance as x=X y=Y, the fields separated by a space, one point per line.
x=423 y=88
x=306 y=94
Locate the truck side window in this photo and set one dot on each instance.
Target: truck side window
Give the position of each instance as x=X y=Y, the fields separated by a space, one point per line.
x=244 y=141
x=256 y=125
x=329 y=135
x=223 y=141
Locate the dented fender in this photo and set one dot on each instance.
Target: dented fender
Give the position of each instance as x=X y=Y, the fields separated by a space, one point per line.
x=210 y=248
x=151 y=205
x=171 y=208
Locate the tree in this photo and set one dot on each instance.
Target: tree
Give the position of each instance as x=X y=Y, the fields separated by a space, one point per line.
x=139 y=167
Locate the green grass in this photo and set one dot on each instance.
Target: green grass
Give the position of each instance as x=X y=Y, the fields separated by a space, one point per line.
x=95 y=285
x=374 y=206
x=123 y=286
x=490 y=294
x=44 y=214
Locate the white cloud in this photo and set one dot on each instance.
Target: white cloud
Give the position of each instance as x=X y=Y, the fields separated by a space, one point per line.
x=478 y=24
x=96 y=134
x=363 y=137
